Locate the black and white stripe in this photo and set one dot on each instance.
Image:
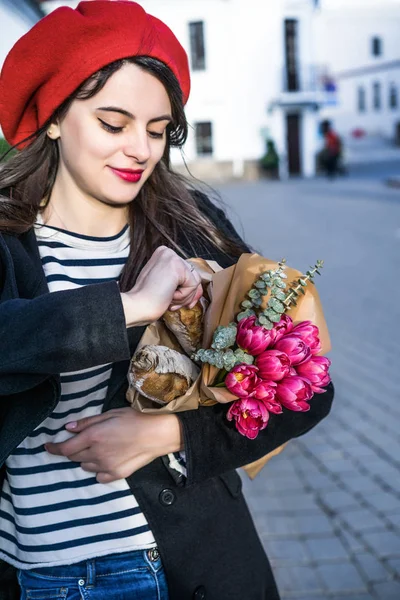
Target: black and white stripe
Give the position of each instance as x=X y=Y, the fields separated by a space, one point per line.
x=51 y=511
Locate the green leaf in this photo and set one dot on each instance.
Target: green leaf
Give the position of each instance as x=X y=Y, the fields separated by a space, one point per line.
x=279 y=283
x=224 y=336
x=254 y=294
x=246 y=304
x=259 y=284
x=302 y=282
x=243 y=357
x=279 y=294
x=257 y=302
x=273 y=316
x=245 y=314
x=276 y=305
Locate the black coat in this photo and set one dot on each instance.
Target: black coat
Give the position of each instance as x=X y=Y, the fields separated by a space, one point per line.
x=202 y=526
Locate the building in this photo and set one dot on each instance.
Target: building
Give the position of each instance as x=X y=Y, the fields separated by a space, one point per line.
x=16 y=18
x=365 y=65
x=241 y=53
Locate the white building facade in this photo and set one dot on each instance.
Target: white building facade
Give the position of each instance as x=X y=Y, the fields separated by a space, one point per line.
x=16 y=18
x=275 y=69
x=240 y=96
x=359 y=40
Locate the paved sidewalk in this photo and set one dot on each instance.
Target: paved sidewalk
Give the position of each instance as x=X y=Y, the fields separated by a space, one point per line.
x=328 y=508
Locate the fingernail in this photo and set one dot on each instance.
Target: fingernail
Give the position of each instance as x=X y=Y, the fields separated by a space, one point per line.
x=72 y=425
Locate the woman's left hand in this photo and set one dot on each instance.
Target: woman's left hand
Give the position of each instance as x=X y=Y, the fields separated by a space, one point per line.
x=117 y=443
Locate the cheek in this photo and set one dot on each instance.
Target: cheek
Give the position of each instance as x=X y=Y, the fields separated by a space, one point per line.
x=158 y=153
x=83 y=146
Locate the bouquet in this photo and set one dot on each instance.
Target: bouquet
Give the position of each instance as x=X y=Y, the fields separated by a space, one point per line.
x=238 y=345
x=266 y=360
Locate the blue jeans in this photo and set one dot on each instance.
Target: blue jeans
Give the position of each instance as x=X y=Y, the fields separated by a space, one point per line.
x=135 y=575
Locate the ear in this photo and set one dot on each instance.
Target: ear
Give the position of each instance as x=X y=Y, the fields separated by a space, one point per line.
x=54 y=131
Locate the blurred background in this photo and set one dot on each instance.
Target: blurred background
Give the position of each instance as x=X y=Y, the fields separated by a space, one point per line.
x=295 y=119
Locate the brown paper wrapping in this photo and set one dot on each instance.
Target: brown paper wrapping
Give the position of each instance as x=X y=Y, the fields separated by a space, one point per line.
x=227 y=288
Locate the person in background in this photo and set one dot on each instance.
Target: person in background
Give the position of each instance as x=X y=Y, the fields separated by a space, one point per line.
x=331 y=154
x=95 y=231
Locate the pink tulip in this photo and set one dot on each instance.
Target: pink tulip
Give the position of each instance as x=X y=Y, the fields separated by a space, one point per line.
x=296 y=349
x=252 y=338
x=251 y=416
x=284 y=326
x=294 y=393
x=316 y=371
x=242 y=380
x=309 y=333
x=273 y=365
x=266 y=391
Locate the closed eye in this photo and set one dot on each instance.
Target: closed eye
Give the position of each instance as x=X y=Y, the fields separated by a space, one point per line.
x=110 y=128
x=156 y=135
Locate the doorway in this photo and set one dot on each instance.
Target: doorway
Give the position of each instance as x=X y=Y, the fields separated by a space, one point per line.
x=293 y=139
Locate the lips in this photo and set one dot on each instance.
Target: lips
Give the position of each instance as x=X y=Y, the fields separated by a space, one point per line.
x=128 y=174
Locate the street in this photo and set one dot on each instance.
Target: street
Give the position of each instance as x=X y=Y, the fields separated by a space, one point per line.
x=328 y=508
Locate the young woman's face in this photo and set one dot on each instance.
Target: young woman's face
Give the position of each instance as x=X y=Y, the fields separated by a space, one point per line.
x=110 y=144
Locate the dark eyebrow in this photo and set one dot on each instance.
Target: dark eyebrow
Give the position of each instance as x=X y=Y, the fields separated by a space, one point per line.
x=131 y=116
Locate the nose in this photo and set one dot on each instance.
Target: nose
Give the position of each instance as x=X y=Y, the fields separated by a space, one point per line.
x=137 y=146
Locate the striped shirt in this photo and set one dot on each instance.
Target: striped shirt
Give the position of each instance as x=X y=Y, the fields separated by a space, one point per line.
x=51 y=511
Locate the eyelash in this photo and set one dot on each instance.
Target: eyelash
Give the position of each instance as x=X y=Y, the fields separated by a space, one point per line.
x=112 y=129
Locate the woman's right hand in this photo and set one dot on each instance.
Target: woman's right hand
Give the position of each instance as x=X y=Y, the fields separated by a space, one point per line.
x=165 y=282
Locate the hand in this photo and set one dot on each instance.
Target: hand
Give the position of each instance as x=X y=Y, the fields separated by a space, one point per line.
x=117 y=443
x=165 y=282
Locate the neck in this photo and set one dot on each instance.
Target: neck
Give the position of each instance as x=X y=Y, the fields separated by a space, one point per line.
x=79 y=213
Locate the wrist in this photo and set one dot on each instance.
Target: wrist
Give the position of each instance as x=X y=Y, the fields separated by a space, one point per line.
x=133 y=310
x=172 y=433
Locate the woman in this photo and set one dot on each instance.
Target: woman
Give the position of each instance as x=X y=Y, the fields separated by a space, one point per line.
x=96 y=228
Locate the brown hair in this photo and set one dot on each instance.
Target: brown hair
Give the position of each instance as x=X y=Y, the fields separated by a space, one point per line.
x=164 y=207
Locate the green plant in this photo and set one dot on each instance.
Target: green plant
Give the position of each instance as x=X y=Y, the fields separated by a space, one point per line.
x=5 y=147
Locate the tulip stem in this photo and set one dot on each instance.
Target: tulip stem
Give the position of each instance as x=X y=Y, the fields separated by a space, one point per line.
x=220 y=378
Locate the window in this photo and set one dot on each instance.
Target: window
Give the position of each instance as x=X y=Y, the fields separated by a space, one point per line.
x=376 y=96
x=376 y=46
x=204 y=145
x=361 y=99
x=393 y=96
x=197 y=49
x=292 y=83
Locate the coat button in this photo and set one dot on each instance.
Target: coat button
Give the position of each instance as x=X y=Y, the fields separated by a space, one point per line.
x=167 y=497
x=200 y=593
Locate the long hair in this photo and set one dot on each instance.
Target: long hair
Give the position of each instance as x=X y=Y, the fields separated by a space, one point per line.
x=164 y=207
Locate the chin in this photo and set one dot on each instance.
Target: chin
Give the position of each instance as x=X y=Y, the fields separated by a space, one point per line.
x=118 y=201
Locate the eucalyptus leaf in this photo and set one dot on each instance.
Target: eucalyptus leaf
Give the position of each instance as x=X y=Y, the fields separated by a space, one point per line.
x=276 y=305
x=273 y=316
x=243 y=357
x=254 y=293
x=279 y=294
x=224 y=336
x=246 y=304
x=257 y=302
x=279 y=283
x=245 y=314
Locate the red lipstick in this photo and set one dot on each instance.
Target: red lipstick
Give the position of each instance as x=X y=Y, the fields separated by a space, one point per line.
x=128 y=174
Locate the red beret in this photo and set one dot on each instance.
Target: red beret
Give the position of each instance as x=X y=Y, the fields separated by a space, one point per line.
x=67 y=46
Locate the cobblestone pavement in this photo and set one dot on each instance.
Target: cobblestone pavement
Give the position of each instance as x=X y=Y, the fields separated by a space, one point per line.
x=328 y=508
